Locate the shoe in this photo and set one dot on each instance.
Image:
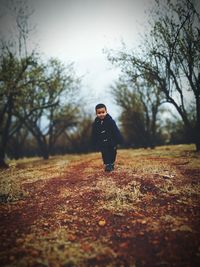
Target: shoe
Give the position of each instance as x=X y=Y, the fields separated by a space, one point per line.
x=108 y=168
x=112 y=166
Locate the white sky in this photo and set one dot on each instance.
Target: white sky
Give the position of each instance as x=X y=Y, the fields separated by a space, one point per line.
x=79 y=30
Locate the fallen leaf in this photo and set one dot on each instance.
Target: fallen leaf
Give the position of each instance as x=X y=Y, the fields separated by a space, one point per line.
x=124 y=245
x=102 y=222
x=71 y=237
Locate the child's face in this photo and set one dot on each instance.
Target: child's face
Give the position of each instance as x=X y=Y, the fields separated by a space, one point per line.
x=101 y=113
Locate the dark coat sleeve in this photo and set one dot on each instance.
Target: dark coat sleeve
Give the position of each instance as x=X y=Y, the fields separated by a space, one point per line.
x=94 y=137
x=118 y=139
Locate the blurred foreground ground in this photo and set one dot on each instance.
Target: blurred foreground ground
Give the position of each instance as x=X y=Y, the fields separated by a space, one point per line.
x=68 y=212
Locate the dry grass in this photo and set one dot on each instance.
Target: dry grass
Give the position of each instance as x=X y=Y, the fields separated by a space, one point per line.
x=29 y=170
x=116 y=198
x=59 y=248
x=151 y=192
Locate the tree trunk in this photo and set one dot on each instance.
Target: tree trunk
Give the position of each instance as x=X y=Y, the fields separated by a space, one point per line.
x=5 y=133
x=45 y=155
x=153 y=125
x=197 y=146
x=3 y=164
x=44 y=150
x=197 y=130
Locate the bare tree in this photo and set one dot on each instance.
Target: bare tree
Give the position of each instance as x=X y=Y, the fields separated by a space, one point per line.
x=140 y=102
x=12 y=84
x=13 y=71
x=19 y=76
x=50 y=102
x=176 y=48
x=171 y=60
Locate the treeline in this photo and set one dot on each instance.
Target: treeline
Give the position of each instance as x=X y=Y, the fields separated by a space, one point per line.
x=164 y=70
x=40 y=101
x=41 y=110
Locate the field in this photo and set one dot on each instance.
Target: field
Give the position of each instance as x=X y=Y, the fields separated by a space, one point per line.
x=66 y=211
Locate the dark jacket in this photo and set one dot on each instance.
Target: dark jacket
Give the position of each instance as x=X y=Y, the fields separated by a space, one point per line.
x=105 y=133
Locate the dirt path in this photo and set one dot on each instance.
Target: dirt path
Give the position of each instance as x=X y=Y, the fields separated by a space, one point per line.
x=138 y=215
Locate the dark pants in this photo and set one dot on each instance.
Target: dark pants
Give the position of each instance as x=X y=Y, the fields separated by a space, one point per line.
x=108 y=154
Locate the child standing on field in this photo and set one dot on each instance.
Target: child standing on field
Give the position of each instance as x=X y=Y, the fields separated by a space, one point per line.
x=106 y=136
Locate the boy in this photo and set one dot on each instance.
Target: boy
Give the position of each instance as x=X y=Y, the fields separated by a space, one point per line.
x=106 y=136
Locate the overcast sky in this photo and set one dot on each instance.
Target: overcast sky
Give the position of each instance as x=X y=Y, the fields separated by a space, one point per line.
x=79 y=30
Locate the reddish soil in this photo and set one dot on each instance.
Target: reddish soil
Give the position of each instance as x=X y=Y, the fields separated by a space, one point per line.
x=138 y=237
